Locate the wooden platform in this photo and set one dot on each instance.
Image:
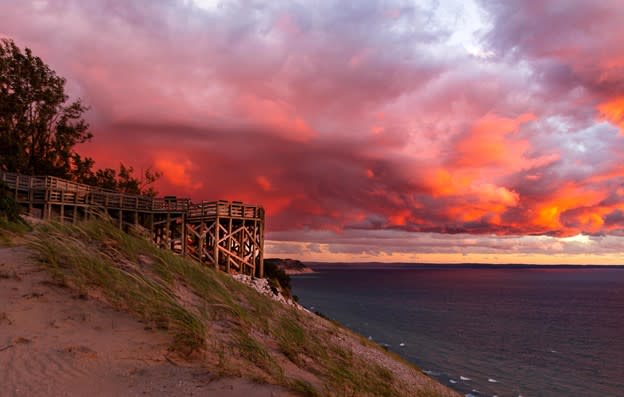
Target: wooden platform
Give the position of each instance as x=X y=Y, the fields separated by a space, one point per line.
x=226 y=234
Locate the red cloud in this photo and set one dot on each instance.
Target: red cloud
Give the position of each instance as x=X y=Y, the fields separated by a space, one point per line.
x=367 y=124
x=177 y=172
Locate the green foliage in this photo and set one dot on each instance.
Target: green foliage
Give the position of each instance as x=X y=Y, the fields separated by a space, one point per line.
x=38 y=127
x=277 y=277
x=10 y=230
x=9 y=209
x=291 y=339
x=250 y=349
x=11 y=223
x=304 y=388
x=70 y=259
x=123 y=180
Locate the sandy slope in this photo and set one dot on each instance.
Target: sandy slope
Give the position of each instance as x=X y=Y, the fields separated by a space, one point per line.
x=55 y=343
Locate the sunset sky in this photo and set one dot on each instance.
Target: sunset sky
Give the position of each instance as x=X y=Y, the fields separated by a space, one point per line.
x=440 y=131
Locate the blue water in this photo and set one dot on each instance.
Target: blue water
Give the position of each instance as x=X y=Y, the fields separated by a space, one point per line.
x=536 y=332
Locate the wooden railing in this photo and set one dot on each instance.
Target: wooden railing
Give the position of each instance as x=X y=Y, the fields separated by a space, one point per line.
x=222 y=208
x=49 y=189
x=165 y=204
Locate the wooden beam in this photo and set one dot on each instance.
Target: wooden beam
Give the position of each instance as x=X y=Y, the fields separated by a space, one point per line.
x=215 y=252
x=241 y=260
x=229 y=246
x=261 y=253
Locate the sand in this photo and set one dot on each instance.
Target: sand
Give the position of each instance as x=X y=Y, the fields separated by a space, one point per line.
x=54 y=342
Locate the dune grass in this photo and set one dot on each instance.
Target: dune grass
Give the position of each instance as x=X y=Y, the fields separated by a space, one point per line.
x=11 y=230
x=70 y=255
x=232 y=328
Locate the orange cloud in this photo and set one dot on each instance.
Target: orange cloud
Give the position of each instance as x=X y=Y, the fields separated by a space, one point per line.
x=443 y=182
x=488 y=142
x=613 y=112
x=177 y=173
x=547 y=214
x=493 y=194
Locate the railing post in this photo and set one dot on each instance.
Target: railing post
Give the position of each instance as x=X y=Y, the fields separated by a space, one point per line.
x=261 y=262
x=183 y=234
x=217 y=237
x=16 y=185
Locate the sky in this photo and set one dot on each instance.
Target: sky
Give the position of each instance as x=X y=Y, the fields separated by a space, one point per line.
x=392 y=131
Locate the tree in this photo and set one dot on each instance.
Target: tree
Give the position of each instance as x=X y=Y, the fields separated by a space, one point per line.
x=123 y=180
x=9 y=209
x=128 y=183
x=38 y=127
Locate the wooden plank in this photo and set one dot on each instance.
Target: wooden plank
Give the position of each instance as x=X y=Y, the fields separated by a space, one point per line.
x=215 y=252
x=241 y=260
x=228 y=234
x=261 y=253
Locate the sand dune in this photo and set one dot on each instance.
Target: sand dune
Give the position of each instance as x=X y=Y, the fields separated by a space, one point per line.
x=54 y=342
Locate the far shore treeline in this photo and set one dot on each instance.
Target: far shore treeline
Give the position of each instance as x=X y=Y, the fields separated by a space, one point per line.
x=40 y=127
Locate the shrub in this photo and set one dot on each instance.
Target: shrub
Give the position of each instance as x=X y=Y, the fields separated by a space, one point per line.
x=9 y=209
x=277 y=275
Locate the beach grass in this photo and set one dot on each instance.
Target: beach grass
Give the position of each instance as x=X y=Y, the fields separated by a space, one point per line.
x=228 y=325
x=11 y=230
x=67 y=252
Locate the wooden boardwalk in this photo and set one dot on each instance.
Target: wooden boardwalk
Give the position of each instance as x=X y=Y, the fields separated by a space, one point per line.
x=226 y=234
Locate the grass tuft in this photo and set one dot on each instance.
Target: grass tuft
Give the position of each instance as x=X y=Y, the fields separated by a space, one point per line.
x=254 y=352
x=67 y=252
x=303 y=387
x=10 y=230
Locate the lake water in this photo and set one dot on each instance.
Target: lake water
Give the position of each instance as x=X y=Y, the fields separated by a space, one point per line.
x=505 y=332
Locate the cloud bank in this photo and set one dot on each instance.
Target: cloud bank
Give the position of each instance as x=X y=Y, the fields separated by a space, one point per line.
x=383 y=126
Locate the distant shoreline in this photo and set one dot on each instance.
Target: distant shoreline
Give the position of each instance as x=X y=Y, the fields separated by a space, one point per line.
x=511 y=266
x=300 y=272
x=291 y=267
